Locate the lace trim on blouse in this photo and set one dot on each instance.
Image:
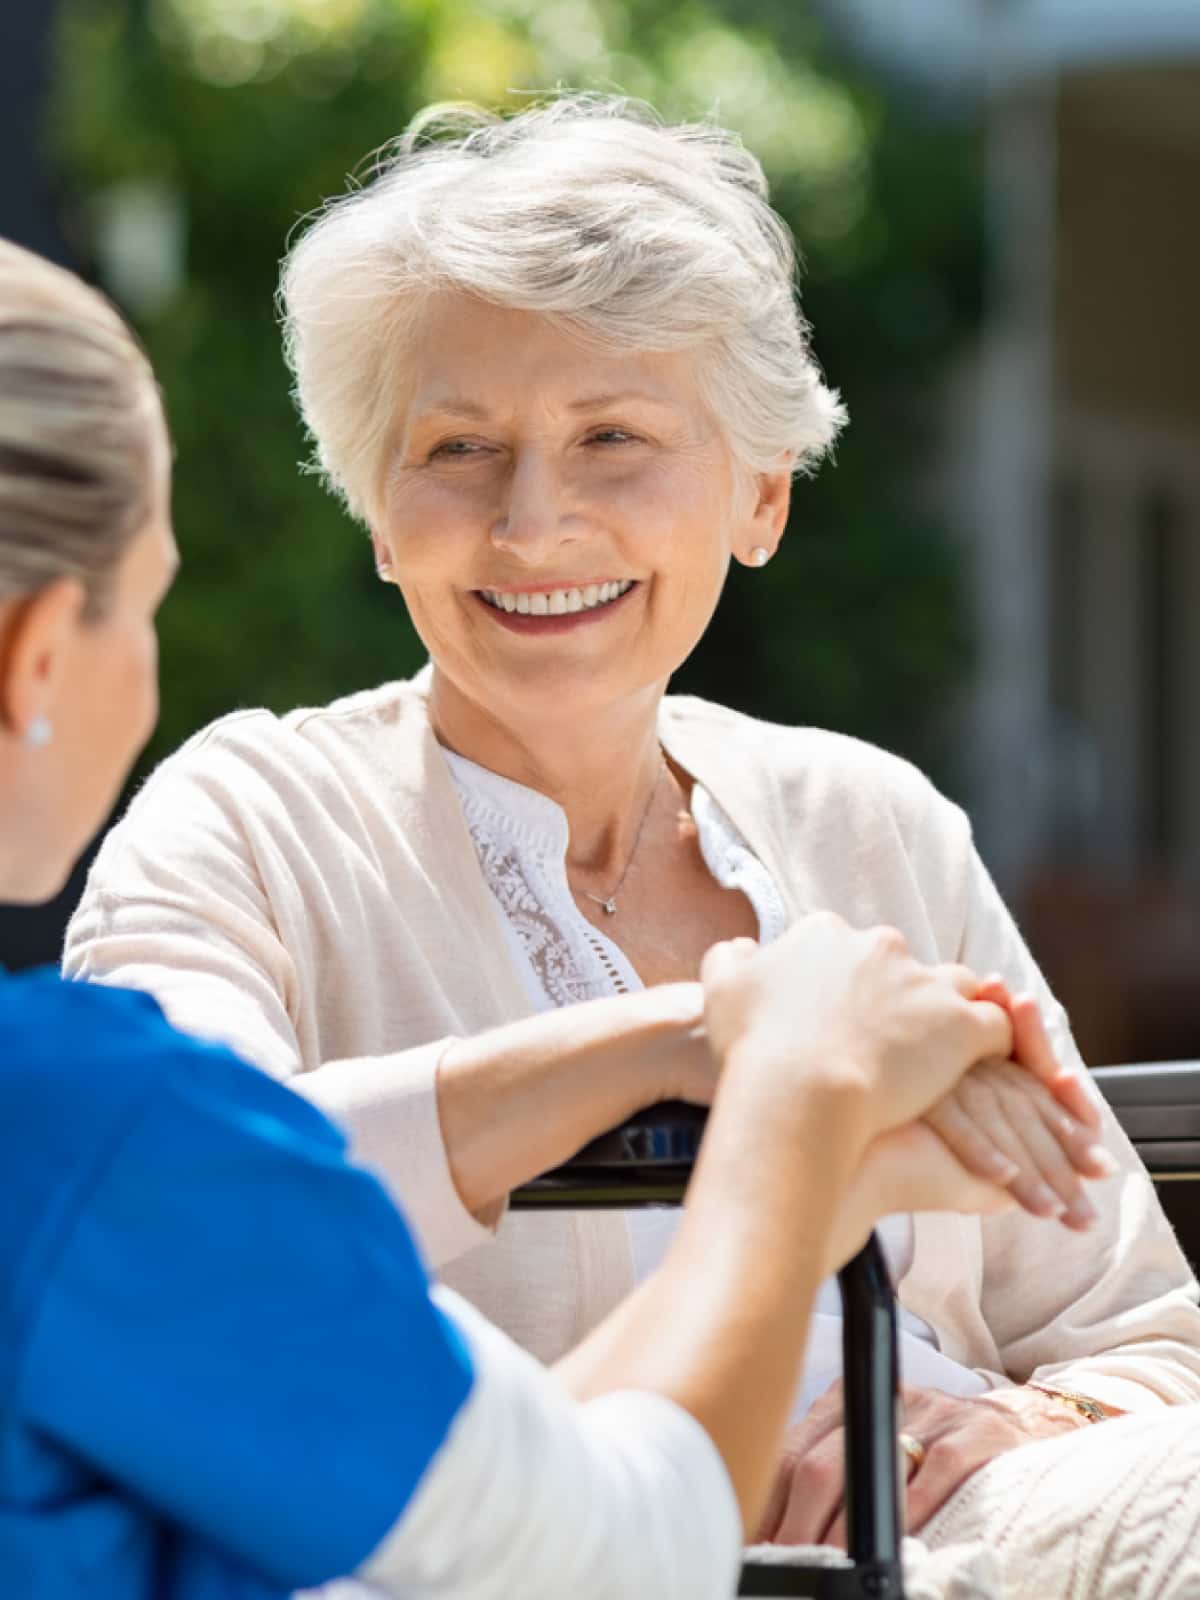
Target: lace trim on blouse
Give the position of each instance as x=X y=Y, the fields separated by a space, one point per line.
x=520 y=838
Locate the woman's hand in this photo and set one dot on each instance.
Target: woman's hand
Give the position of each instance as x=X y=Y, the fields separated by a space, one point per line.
x=958 y=1434
x=1005 y=1127
x=1028 y=1124
x=1033 y=1050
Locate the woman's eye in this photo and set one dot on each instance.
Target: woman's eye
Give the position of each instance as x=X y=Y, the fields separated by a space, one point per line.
x=611 y=436
x=454 y=450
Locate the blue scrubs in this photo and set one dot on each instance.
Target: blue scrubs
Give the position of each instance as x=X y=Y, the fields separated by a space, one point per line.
x=220 y=1371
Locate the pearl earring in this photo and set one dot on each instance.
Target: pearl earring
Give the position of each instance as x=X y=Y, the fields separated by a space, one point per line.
x=39 y=733
x=383 y=568
x=759 y=556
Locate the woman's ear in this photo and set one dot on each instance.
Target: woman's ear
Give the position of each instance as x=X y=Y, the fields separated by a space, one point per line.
x=37 y=633
x=768 y=518
x=383 y=557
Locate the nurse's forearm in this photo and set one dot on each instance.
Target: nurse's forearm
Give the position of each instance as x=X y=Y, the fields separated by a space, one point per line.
x=519 y=1100
x=532 y=1495
x=721 y=1327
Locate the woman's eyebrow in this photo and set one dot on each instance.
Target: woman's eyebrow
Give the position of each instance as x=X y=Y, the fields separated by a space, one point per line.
x=452 y=406
x=598 y=402
x=461 y=406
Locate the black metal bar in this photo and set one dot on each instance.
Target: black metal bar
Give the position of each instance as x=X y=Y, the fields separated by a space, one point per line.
x=873 y=1512
x=872 y=1381
x=587 y=1190
x=647 y=1161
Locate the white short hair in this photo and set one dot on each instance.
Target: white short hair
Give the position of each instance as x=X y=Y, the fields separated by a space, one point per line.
x=589 y=210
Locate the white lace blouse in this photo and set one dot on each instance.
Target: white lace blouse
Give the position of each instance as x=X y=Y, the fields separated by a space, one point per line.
x=521 y=839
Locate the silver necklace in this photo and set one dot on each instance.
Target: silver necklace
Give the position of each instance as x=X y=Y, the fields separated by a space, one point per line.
x=609 y=901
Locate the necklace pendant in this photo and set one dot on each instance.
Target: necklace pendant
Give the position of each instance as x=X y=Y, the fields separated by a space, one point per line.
x=610 y=908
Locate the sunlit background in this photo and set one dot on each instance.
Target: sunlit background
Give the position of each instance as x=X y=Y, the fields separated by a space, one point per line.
x=998 y=203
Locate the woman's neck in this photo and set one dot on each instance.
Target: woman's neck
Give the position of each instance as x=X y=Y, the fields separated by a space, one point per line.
x=604 y=769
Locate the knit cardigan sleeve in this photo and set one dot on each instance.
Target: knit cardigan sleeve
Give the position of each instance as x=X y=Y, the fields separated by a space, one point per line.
x=205 y=896
x=1112 y=1311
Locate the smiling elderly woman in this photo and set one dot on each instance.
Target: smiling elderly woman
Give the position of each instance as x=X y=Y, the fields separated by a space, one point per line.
x=556 y=365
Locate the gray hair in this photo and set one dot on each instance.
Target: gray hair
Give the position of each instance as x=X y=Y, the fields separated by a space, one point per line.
x=77 y=407
x=589 y=210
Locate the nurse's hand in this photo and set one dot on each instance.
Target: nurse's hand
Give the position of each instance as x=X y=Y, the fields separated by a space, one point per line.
x=909 y=1169
x=847 y=1012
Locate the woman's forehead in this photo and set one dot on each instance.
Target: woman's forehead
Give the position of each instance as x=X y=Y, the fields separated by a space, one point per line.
x=473 y=364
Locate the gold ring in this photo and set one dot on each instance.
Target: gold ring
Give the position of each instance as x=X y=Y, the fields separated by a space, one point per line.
x=914 y=1453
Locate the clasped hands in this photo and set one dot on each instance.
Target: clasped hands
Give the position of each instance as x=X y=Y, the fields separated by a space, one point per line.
x=1004 y=1130
x=958 y=1125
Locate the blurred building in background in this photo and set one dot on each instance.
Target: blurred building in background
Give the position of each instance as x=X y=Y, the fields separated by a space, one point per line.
x=1072 y=467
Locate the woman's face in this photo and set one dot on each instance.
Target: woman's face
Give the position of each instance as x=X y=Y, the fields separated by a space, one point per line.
x=101 y=701
x=559 y=520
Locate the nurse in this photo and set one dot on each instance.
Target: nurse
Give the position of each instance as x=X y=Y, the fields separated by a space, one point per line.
x=222 y=1369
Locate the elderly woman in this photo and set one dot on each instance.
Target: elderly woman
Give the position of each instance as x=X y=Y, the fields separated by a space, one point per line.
x=555 y=364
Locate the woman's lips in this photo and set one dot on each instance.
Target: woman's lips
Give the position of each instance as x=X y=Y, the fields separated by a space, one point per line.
x=561 y=622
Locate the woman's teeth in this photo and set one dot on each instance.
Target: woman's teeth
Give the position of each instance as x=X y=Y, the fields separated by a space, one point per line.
x=558 y=602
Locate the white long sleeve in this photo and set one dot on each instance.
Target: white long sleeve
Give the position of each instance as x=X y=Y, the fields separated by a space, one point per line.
x=536 y=1495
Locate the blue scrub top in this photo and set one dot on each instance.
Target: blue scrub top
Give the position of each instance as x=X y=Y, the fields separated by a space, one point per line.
x=220 y=1370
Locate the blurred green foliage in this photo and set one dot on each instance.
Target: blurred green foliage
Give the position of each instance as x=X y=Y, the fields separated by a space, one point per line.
x=248 y=112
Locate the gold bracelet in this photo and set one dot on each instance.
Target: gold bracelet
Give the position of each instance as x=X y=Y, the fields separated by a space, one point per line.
x=1090 y=1410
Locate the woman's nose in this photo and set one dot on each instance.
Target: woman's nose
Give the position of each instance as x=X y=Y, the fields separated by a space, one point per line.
x=533 y=517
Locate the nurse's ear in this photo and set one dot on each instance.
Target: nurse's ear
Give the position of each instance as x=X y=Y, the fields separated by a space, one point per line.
x=37 y=636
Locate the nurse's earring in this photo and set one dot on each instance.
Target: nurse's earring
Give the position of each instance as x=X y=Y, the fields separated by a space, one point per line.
x=383 y=570
x=759 y=556
x=39 y=733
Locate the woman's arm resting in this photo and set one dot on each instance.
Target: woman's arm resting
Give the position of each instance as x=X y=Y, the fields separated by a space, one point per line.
x=518 y=1100
x=450 y=1125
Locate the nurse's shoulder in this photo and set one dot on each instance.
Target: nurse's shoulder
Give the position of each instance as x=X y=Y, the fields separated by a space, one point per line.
x=81 y=1063
x=74 y=1055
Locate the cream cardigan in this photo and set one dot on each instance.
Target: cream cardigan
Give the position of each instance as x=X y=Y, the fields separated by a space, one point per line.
x=306 y=889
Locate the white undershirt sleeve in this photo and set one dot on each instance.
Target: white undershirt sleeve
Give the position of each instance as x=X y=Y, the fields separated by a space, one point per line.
x=537 y=1495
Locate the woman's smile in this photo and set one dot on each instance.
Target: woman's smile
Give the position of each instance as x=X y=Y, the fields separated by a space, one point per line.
x=555 y=610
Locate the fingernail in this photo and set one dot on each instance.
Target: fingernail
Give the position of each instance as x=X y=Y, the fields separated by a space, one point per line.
x=1046 y=1202
x=1102 y=1160
x=1081 y=1212
x=1001 y=1169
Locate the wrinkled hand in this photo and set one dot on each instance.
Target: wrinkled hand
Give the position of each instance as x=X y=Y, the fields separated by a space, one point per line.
x=1032 y=1049
x=1029 y=1124
x=960 y=1435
